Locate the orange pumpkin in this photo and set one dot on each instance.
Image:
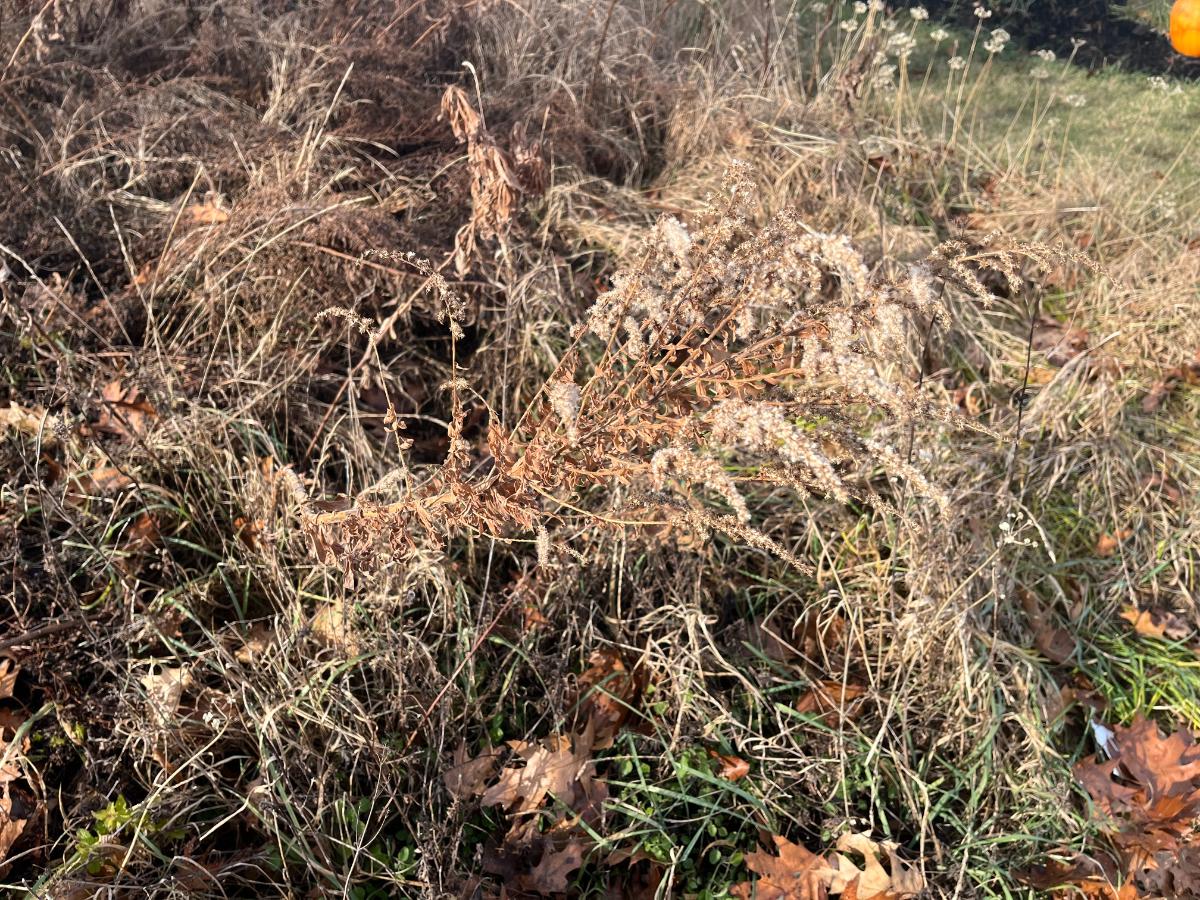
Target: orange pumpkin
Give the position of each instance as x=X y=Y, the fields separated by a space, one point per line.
x=1185 y=27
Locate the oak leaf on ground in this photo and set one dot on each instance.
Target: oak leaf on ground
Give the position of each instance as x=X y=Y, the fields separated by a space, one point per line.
x=831 y=700
x=125 y=414
x=469 y=777
x=1147 y=797
x=206 y=213
x=793 y=873
x=1187 y=373
x=733 y=768
x=1058 y=341
x=552 y=874
x=1156 y=623
x=873 y=880
x=1107 y=543
x=560 y=766
x=609 y=693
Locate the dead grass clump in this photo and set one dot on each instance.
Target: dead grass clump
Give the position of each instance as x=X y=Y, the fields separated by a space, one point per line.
x=770 y=349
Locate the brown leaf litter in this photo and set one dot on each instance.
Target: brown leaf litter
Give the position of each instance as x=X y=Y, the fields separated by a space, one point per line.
x=795 y=873
x=1146 y=799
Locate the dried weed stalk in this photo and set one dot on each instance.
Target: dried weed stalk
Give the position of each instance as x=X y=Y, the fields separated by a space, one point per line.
x=727 y=356
x=499 y=178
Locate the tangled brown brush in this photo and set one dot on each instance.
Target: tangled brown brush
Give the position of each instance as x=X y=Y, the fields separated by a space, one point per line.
x=728 y=356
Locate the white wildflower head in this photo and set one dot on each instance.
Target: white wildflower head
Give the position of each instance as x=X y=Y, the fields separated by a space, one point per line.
x=939 y=34
x=997 y=41
x=675 y=237
x=983 y=12
x=848 y=25
x=1045 y=55
x=888 y=25
x=957 y=64
x=901 y=44
x=860 y=8
x=1160 y=84
x=1075 y=101
x=919 y=13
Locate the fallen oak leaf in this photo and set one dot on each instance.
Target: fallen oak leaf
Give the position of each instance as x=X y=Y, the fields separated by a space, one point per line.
x=1164 y=486
x=11 y=825
x=1052 y=641
x=254 y=644
x=164 y=690
x=332 y=626
x=1147 y=792
x=206 y=213
x=1156 y=623
x=1188 y=373
x=467 y=778
x=873 y=880
x=143 y=533
x=248 y=531
x=609 y=692
x=733 y=768
x=97 y=482
x=1107 y=544
x=831 y=700
x=31 y=422
x=124 y=414
x=1059 y=342
x=1080 y=872
x=560 y=766
x=794 y=873
x=552 y=874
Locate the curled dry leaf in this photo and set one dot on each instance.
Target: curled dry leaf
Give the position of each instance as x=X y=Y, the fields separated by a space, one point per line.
x=125 y=414
x=873 y=881
x=1083 y=874
x=16 y=805
x=1188 y=373
x=248 y=531
x=332 y=626
x=1146 y=796
x=733 y=768
x=164 y=690
x=609 y=693
x=552 y=874
x=98 y=482
x=831 y=700
x=30 y=422
x=1053 y=642
x=1059 y=342
x=468 y=778
x=1107 y=544
x=794 y=873
x=255 y=643
x=1157 y=623
x=206 y=213
x=1163 y=486
x=561 y=767
x=143 y=533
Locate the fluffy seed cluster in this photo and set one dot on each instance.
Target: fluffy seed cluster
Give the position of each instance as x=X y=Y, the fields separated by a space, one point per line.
x=733 y=344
